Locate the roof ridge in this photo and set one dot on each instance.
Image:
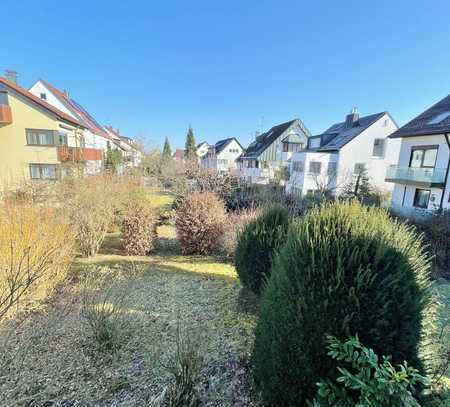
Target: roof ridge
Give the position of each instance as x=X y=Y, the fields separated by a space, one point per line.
x=43 y=103
x=77 y=109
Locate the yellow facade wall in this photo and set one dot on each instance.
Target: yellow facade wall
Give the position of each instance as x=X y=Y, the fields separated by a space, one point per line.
x=15 y=155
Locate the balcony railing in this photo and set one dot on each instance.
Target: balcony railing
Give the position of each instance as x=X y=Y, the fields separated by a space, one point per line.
x=430 y=177
x=78 y=154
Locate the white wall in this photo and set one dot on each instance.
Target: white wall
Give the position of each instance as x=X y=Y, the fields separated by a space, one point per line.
x=51 y=99
x=91 y=140
x=403 y=195
x=202 y=150
x=213 y=161
x=301 y=182
x=360 y=150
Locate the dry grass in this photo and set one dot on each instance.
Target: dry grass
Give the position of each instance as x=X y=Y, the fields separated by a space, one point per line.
x=52 y=359
x=61 y=364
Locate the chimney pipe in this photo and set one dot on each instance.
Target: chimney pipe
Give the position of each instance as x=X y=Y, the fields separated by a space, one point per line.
x=11 y=76
x=352 y=119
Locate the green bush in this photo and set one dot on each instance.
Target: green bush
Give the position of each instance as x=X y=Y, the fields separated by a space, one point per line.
x=257 y=246
x=364 y=380
x=345 y=270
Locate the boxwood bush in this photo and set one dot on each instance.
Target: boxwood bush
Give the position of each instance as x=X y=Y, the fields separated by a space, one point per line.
x=258 y=244
x=345 y=270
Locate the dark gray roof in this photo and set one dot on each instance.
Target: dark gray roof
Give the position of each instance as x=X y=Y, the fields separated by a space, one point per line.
x=221 y=144
x=421 y=125
x=264 y=140
x=338 y=135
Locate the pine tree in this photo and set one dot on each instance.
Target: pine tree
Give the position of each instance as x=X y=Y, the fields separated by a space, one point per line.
x=167 y=151
x=190 y=146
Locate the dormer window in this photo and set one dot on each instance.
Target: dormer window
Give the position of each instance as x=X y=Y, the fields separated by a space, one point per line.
x=439 y=118
x=43 y=96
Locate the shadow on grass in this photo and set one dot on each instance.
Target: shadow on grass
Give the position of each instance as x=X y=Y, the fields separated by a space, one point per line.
x=112 y=244
x=201 y=266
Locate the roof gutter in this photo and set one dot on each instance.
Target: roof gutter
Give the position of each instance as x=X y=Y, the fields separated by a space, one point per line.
x=446 y=135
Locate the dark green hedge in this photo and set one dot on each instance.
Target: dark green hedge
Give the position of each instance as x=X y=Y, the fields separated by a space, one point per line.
x=344 y=270
x=258 y=244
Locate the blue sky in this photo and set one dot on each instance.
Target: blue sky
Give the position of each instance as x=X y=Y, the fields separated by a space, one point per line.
x=230 y=68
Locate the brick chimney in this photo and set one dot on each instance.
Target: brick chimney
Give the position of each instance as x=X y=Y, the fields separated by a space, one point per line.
x=11 y=76
x=352 y=119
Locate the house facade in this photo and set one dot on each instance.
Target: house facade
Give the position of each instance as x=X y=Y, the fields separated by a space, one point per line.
x=421 y=175
x=131 y=154
x=332 y=159
x=222 y=157
x=202 y=149
x=95 y=138
x=35 y=137
x=272 y=150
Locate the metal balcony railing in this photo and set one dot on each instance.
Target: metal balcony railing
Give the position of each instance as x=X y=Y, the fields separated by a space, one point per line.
x=416 y=176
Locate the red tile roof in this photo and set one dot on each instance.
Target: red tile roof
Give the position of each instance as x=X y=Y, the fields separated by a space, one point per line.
x=87 y=119
x=179 y=154
x=60 y=115
x=113 y=133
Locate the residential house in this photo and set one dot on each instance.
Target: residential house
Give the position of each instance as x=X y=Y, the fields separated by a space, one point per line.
x=222 y=157
x=96 y=139
x=179 y=155
x=343 y=151
x=272 y=150
x=131 y=154
x=202 y=149
x=36 y=138
x=421 y=175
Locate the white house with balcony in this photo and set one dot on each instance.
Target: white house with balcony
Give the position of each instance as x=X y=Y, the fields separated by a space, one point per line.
x=272 y=150
x=421 y=175
x=332 y=159
x=222 y=157
x=95 y=139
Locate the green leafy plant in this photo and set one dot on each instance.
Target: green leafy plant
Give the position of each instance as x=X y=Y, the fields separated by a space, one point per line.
x=257 y=246
x=345 y=270
x=365 y=380
x=113 y=160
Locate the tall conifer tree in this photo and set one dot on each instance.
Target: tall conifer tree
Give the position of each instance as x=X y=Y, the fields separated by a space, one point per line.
x=167 y=151
x=190 y=146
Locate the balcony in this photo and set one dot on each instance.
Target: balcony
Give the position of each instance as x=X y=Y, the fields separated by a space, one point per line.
x=427 y=177
x=78 y=154
x=5 y=114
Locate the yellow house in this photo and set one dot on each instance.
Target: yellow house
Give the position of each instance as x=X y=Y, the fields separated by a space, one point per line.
x=34 y=136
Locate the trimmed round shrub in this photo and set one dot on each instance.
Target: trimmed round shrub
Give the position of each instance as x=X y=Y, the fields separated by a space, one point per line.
x=345 y=270
x=257 y=246
x=199 y=221
x=138 y=228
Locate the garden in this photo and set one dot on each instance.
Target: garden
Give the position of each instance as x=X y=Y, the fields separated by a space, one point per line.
x=194 y=291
